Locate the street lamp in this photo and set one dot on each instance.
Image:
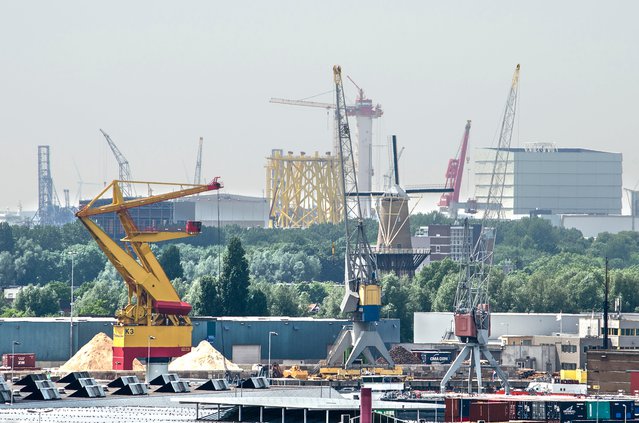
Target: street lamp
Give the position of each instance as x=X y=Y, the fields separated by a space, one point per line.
x=270 y=372
x=148 y=357
x=13 y=360
x=625 y=413
x=72 y=255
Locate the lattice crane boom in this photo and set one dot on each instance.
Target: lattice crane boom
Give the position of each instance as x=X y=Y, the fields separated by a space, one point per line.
x=362 y=296
x=123 y=165
x=472 y=302
x=360 y=267
x=455 y=172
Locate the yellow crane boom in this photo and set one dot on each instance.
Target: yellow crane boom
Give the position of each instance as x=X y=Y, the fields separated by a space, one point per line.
x=154 y=311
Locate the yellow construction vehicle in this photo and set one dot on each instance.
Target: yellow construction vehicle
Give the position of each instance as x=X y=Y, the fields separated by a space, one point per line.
x=154 y=324
x=296 y=372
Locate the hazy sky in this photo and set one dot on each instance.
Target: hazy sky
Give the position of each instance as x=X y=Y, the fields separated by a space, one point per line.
x=157 y=75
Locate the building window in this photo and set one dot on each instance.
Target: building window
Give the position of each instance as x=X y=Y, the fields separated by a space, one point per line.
x=569 y=348
x=437 y=248
x=568 y=366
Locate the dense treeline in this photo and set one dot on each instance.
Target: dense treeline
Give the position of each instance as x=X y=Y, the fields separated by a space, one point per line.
x=236 y=271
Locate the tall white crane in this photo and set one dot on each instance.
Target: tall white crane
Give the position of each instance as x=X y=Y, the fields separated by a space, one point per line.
x=123 y=163
x=362 y=296
x=472 y=302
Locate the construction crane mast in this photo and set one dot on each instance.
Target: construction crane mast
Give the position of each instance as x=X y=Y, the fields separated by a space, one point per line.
x=362 y=297
x=123 y=163
x=472 y=302
x=198 y=163
x=154 y=325
x=454 y=173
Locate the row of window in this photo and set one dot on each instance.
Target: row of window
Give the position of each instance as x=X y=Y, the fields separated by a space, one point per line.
x=569 y=348
x=622 y=331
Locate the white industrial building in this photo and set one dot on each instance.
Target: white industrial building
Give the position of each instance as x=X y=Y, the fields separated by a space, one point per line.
x=227 y=209
x=434 y=327
x=544 y=179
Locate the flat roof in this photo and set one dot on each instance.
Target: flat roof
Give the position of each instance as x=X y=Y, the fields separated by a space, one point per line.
x=316 y=398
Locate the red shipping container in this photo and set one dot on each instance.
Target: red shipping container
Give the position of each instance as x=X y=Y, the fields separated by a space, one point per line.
x=19 y=361
x=489 y=411
x=457 y=410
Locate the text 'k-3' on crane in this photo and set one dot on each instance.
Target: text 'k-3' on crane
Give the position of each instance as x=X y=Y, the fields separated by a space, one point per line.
x=154 y=323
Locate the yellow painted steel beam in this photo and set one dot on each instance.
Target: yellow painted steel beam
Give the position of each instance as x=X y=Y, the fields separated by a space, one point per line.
x=120 y=203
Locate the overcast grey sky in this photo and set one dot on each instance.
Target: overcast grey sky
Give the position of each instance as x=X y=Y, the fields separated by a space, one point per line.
x=156 y=75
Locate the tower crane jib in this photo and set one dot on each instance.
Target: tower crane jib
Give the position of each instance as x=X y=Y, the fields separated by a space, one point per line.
x=123 y=164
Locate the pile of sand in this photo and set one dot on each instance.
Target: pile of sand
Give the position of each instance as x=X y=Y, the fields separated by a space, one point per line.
x=96 y=355
x=202 y=357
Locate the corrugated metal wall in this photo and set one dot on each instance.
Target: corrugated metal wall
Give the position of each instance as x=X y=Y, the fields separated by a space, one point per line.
x=303 y=339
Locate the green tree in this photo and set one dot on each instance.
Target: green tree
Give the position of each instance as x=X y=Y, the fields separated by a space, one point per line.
x=63 y=292
x=171 y=262
x=37 y=301
x=445 y=297
x=428 y=280
x=100 y=298
x=284 y=301
x=397 y=303
x=7 y=269
x=6 y=237
x=209 y=302
x=257 y=303
x=234 y=280
x=330 y=307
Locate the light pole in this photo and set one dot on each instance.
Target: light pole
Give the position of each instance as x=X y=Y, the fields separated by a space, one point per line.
x=13 y=360
x=625 y=413
x=72 y=255
x=270 y=372
x=148 y=358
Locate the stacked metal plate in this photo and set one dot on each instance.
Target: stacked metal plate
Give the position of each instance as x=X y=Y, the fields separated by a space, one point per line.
x=214 y=385
x=83 y=385
x=128 y=385
x=5 y=391
x=254 y=383
x=170 y=382
x=39 y=387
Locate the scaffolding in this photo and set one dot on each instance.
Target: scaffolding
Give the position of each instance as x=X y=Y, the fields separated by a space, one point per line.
x=303 y=190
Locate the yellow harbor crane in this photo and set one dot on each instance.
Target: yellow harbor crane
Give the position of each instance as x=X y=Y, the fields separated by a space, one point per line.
x=154 y=325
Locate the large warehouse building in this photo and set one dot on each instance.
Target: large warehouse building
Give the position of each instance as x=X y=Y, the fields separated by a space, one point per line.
x=544 y=179
x=243 y=340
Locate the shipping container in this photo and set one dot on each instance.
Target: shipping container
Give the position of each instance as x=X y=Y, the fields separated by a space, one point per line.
x=553 y=412
x=573 y=410
x=524 y=410
x=457 y=410
x=489 y=411
x=538 y=410
x=19 y=361
x=619 y=408
x=598 y=410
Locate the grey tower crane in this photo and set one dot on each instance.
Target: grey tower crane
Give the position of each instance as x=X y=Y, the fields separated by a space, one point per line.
x=123 y=163
x=472 y=302
x=362 y=297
